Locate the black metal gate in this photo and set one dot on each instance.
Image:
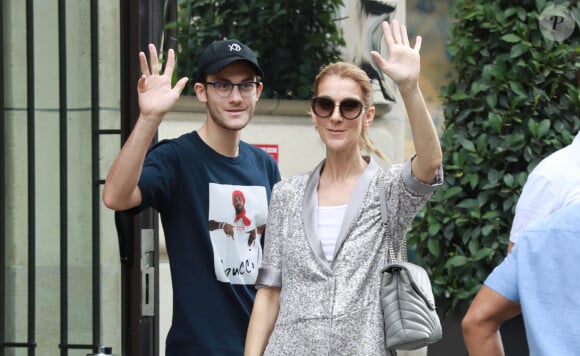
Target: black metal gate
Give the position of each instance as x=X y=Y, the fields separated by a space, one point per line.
x=142 y=22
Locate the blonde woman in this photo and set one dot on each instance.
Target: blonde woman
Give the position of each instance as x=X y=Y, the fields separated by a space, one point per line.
x=324 y=246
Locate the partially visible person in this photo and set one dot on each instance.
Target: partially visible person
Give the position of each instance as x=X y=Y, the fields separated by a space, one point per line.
x=186 y=179
x=325 y=244
x=539 y=278
x=552 y=185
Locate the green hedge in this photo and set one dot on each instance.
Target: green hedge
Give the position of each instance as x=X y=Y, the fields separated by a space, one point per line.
x=292 y=38
x=514 y=100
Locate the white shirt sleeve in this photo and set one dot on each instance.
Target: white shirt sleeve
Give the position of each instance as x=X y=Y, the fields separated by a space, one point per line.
x=537 y=201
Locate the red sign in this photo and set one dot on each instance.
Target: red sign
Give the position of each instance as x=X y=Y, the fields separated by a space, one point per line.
x=270 y=149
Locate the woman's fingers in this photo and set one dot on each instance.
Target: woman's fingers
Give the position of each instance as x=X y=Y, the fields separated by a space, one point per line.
x=404 y=37
x=417 y=43
x=396 y=31
x=387 y=34
x=396 y=34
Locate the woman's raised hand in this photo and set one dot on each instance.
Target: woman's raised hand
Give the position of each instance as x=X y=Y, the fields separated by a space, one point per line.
x=403 y=64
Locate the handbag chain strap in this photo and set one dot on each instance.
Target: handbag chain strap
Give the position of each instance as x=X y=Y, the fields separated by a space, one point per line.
x=402 y=247
x=401 y=256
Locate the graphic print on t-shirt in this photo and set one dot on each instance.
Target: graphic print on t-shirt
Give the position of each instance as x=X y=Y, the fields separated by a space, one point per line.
x=237 y=218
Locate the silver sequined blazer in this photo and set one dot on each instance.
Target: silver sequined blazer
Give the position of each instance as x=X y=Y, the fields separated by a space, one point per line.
x=333 y=308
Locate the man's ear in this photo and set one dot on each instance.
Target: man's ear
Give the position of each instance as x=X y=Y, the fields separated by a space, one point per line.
x=259 y=90
x=200 y=92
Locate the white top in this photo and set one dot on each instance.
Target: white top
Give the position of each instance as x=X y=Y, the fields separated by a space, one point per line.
x=329 y=223
x=553 y=184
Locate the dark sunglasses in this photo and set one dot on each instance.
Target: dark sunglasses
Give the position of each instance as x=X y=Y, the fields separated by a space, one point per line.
x=323 y=107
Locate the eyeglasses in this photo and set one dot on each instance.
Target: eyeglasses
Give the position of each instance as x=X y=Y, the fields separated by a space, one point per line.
x=323 y=107
x=224 y=88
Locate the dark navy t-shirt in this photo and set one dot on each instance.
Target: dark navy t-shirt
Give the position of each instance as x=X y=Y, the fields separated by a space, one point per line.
x=213 y=273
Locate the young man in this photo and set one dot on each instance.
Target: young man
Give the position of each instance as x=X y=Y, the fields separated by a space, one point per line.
x=539 y=277
x=187 y=180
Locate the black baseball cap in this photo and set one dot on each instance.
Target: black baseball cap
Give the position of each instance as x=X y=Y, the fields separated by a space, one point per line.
x=220 y=54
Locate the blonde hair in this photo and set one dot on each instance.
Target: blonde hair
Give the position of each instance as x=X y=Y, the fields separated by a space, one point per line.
x=352 y=71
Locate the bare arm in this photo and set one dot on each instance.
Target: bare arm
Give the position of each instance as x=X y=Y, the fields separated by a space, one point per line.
x=156 y=97
x=403 y=67
x=510 y=246
x=482 y=321
x=264 y=315
x=228 y=228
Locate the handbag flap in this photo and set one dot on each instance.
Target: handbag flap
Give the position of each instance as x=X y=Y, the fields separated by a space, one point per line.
x=418 y=278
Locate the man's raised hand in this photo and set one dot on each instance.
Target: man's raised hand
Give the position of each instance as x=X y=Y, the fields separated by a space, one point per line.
x=156 y=96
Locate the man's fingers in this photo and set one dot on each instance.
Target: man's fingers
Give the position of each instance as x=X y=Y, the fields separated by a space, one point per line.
x=180 y=85
x=155 y=67
x=142 y=83
x=170 y=62
x=143 y=63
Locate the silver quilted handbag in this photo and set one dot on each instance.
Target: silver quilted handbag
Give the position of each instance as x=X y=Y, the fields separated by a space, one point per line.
x=407 y=301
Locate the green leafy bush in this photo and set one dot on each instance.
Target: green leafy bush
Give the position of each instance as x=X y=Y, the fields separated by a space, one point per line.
x=514 y=100
x=292 y=38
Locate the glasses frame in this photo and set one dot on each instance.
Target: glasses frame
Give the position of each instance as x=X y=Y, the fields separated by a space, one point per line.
x=231 y=88
x=315 y=99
